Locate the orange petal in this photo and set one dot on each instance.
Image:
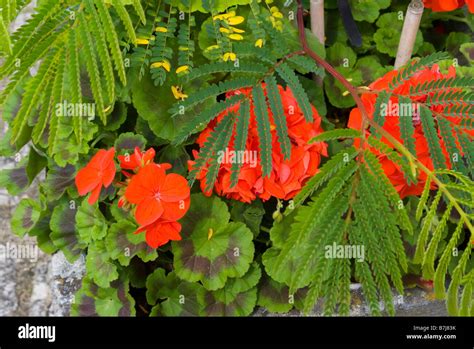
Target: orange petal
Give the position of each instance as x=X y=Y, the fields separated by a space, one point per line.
x=95 y=195
x=160 y=233
x=86 y=180
x=108 y=174
x=148 y=211
x=174 y=188
x=149 y=155
x=175 y=210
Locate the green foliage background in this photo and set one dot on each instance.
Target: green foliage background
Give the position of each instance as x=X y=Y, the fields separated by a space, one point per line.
x=260 y=254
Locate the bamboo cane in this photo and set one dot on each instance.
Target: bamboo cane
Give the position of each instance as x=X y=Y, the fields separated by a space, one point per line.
x=317 y=19
x=317 y=26
x=409 y=31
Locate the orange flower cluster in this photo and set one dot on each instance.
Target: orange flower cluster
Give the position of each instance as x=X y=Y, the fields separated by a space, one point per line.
x=159 y=199
x=448 y=5
x=287 y=176
x=392 y=122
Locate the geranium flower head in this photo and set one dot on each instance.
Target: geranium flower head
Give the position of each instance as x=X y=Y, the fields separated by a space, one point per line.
x=288 y=176
x=157 y=195
x=392 y=125
x=98 y=173
x=137 y=160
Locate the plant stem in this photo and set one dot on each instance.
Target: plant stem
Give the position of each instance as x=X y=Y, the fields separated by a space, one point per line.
x=409 y=31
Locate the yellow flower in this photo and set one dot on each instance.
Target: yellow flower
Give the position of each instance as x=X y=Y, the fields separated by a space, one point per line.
x=224 y=15
x=277 y=14
x=178 y=93
x=163 y=64
x=225 y=30
x=229 y=55
x=259 y=43
x=212 y=47
x=156 y=65
x=142 y=41
x=274 y=9
x=181 y=69
x=237 y=30
x=183 y=48
x=237 y=37
x=161 y=29
x=167 y=66
x=235 y=20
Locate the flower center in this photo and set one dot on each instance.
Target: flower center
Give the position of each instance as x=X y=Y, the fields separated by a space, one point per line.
x=158 y=196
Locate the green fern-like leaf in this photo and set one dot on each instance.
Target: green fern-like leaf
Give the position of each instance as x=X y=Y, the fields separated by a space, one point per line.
x=91 y=64
x=74 y=71
x=407 y=129
x=203 y=118
x=412 y=68
x=431 y=135
x=241 y=133
x=112 y=39
x=293 y=82
x=425 y=229
x=336 y=134
x=223 y=133
x=102 y=52
x=263 y=129
x=279 y=117
x=126 y=20
x=326 y=172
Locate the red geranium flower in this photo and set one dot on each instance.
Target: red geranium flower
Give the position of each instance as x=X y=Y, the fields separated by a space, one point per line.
x=157 y=195
x=287 y=176
x=137 y=160
x=391 y=125
x=448 y=5
x=100 y=171
x=160 y=232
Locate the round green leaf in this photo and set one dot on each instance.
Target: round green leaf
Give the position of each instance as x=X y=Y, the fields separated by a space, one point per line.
x=211 y=249
x=90 y=223
x=99 y=266
x=127 y=142
x=238 y=297
x=25 y=216
x=63 y=227
x=122 y=244
x=181 y=298
x=58 y=179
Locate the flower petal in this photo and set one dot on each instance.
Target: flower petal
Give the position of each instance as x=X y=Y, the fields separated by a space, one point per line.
x=174 y=188
x=95 y=195
x=148 y=211
x=86 y=180
x=175 y=210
